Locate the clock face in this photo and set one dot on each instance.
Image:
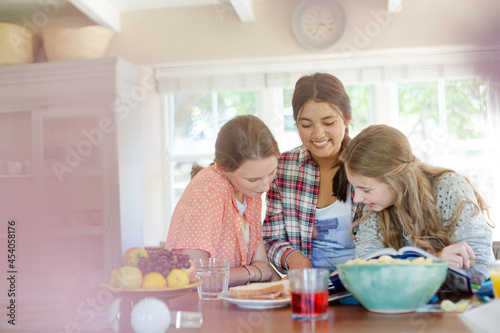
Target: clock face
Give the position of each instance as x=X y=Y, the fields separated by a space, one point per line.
x=319 y=25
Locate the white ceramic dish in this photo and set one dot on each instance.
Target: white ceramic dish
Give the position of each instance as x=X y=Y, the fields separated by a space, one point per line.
x=258 y=304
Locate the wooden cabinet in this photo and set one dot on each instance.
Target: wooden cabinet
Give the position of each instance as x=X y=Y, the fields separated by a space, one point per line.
x=74 y=126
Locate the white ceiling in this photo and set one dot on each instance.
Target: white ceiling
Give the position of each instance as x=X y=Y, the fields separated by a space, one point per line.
x=107 y=12
x=132 y=5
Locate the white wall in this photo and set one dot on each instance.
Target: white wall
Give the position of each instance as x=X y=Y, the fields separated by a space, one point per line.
x=207 y=33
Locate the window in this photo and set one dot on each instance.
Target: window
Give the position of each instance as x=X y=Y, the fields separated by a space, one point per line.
x=446 y=122
x=197 y=118
x=442 y=104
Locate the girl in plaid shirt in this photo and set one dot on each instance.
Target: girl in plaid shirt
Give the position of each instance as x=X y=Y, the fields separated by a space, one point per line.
x=309 y=205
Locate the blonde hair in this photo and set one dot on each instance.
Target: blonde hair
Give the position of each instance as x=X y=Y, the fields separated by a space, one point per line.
x=384 y=153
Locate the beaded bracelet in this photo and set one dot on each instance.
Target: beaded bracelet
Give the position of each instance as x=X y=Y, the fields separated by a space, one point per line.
x=287 y=252
x=288 y=255
x=260 y=279
x=248 y=282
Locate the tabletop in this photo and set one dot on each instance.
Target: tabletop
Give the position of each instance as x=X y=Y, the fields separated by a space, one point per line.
x=221 y=316
x=90 y=312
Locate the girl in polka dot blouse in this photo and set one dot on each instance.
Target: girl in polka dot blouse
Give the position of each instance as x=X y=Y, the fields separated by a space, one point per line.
x=219 y=213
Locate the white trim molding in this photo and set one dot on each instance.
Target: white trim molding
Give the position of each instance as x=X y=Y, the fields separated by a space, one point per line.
x=367 y=67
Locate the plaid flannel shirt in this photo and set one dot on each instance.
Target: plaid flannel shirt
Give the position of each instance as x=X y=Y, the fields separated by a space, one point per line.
x=291 y=206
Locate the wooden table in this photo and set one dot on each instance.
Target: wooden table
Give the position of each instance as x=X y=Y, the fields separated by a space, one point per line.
x=220 y=316
x=85 y=313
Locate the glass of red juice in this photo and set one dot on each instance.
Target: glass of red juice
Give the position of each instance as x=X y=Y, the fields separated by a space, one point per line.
x=309 y=289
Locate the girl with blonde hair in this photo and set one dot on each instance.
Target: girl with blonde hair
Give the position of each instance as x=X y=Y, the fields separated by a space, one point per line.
x=411 y=203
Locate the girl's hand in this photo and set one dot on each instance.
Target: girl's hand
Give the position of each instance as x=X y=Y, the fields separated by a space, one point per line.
x=459 y=255
x=298 y=260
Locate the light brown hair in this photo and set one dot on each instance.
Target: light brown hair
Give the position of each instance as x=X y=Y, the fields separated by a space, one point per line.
x=240 y=139
x=384 y=153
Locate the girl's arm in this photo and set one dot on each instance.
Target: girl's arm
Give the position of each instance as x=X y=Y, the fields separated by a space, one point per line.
x=366 y=240
x=240 y=275
x=471 y=229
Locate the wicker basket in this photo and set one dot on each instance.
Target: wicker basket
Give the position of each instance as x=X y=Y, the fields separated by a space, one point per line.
x=88 y=42
x=18 y=45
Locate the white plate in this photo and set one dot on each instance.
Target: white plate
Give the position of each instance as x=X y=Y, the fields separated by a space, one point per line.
x=260 y=304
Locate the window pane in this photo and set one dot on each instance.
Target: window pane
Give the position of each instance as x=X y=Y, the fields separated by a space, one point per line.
x=361 y=106
x=467 y=106
x=288 y=121
x=419 y=116
x=194 y=130
x=193 y=116
x=235 y=103
x=446 y=123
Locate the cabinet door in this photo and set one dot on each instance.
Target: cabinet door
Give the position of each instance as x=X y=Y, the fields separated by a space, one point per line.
x=15 y=145
x=16 y=181
x=70 y=151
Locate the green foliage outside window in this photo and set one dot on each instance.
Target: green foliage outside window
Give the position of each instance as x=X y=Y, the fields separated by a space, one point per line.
x=467 y=108
x=235 y=103
x=361 y=106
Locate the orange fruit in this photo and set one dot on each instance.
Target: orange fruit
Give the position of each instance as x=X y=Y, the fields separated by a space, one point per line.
x=177 y=278
x=153 y=280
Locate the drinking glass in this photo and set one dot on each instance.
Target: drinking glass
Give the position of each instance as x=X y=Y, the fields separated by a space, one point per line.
x=495 y=277
x=309 y=289
x=215 y=275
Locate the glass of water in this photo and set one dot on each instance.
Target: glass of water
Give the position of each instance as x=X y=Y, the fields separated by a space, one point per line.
x=215 y=275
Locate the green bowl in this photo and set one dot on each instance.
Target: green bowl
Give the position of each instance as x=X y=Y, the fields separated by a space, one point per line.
x=393 y=288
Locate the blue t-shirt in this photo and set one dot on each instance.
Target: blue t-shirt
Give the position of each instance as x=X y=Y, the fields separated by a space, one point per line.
x=331 y=239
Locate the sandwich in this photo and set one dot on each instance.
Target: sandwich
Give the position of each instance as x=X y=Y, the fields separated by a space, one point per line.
x=262 y=290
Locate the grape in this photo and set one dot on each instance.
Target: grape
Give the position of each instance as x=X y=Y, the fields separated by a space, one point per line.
x=163 y=261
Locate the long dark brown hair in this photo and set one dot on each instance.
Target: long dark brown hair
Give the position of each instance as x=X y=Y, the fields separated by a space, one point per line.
x=326 y=88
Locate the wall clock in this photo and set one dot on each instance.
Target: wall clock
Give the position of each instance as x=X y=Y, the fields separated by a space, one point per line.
x=319 y=25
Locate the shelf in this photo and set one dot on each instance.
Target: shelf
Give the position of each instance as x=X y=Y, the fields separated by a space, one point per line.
x=75 y=172
x=97 y=230
x=22 y=175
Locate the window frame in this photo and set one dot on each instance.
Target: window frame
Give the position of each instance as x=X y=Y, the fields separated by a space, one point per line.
x=383 y=71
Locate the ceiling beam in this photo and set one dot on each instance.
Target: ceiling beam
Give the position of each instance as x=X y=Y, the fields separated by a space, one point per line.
x=244 y=9
x=395 y=6
x=99 y=11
